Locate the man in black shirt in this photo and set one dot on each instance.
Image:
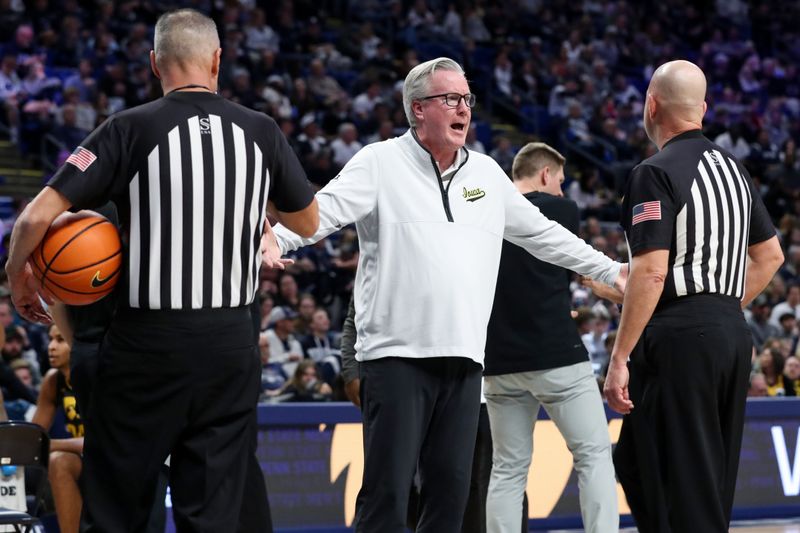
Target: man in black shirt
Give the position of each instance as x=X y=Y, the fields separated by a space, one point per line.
x=534 y=356
x=190 y=174
x=692 y=218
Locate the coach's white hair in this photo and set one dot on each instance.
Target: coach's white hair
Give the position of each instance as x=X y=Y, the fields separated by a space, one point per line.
x=417 y=82
x=183 y=37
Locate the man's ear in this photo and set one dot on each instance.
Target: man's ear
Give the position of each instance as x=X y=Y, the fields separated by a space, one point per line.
x=153 y=65
x=652 y=107
x=545 y=176
x=216 y=61
x=416 y=109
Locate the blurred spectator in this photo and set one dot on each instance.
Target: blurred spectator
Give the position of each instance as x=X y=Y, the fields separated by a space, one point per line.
x=305 y=385
x=595 y=338
x=322 y=346
x=288 y=293
x=22 y=369
x=791 y=305
x=336 y=115
x=733 y=141
x=759 y=323
x=503 y=74
x=323 y=87
x=305 y=312
x=346 y=145
x=758 y=385
x=764 y=153
x=68 y=131
x=791 y=374
x=284 y=348
x=770 y=364
x=584 y=318
x=267 y=303
x=83 y=81
x=280 y=107
x=311 y=140
x=273 y=377
x=503 y=154
x=472 y=142
x=364 y=103
x=6 y=313
x=368 y=42
x=11 y=93
x=420 y=15
x=474 y=28
x=259 y=36
x=17 y=347
x=787 y=327
x=384 y=133
x=451 y=23
x=85 y=114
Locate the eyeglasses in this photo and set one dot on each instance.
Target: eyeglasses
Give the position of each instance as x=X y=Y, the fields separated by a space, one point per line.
x=453 y=99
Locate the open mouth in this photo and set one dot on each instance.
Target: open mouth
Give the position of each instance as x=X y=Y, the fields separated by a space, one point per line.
x=458 y=126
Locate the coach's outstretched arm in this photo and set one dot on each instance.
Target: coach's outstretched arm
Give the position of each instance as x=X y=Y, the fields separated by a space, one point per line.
x=29 y=230
x=304 y=222
x=766 y=258
x=549 y=241
x=347 y=198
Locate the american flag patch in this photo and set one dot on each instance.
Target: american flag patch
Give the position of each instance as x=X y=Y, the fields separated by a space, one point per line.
x=81 y=158
x=646 y=211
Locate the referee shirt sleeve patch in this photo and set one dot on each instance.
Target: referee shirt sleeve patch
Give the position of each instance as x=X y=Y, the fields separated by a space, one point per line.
x=81 y=158
x=646 y=211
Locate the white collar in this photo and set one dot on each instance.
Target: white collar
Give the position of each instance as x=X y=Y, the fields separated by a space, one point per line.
x=424 y=156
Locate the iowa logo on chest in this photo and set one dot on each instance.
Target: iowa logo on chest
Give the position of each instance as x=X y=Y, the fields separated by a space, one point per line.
x=471 y=195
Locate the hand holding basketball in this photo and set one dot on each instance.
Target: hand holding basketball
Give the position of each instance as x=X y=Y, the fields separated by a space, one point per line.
x=79 y=258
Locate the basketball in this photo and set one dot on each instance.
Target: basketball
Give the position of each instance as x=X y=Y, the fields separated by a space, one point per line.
x=79 y=258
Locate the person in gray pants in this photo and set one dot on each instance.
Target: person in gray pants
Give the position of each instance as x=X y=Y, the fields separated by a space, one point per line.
x=534 y=356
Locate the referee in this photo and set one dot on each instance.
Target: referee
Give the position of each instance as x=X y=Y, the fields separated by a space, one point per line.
x=692 y=218
x=191 y=174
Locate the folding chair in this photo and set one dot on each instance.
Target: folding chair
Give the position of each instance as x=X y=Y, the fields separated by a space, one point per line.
x=27 y=445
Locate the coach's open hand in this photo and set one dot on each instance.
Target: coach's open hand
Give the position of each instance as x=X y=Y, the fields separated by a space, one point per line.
x=25 y=291
x=616 y=387
x=271 y=252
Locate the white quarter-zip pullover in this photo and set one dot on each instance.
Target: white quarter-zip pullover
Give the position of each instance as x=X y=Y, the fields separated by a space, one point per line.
x=429 y=251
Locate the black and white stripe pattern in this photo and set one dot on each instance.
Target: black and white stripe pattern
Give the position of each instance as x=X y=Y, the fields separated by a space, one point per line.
x=712 y=230
x=197 y=212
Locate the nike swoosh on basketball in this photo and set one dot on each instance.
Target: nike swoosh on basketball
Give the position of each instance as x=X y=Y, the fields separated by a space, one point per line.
x=97 y=281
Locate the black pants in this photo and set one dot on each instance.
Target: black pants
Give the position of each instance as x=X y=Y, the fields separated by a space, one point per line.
x=417 y=413
x=83 y=362
x=678 y=451
x=180 y=383
x=255 y=516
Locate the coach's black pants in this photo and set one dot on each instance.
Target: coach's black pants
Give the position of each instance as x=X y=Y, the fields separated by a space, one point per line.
x=417 y=413
x=678 y=451
x=179 y=383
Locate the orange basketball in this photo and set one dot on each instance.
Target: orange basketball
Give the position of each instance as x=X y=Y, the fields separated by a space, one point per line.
x=79 y=259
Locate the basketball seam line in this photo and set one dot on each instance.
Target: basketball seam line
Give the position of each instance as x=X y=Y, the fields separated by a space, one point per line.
x=55 y=256
x=54 y=271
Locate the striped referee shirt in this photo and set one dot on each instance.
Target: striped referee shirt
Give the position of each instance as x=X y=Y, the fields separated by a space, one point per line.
x=696 y=200
x=191 y=174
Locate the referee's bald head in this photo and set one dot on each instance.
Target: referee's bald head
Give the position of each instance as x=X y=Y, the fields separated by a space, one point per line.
x=675 y=99
x=679 y=83
x=185 y=38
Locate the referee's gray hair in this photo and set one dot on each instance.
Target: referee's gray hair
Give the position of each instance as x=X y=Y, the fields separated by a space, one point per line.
x=417 y=82
x=184 y=36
